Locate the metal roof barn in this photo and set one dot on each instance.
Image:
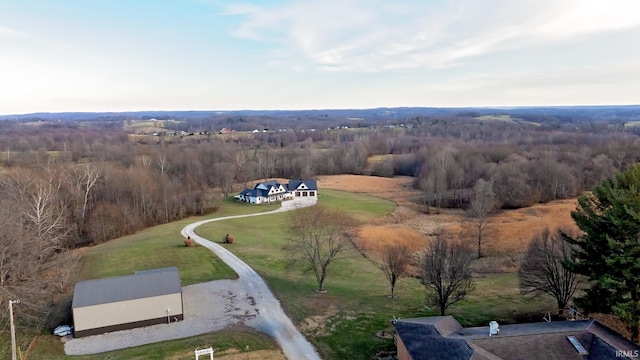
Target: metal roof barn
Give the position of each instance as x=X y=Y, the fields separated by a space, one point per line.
x=145 y=298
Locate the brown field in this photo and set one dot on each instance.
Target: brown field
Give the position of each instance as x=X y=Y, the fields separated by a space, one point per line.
x=398 y=189
x=509 y=233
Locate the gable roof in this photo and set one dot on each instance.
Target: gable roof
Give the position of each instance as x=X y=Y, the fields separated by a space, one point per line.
x=142 y=284
x=294 y=184
x=255 y=192
x=433 y=337
x=266 y=185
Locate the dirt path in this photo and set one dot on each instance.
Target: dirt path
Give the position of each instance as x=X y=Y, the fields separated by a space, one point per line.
x=271 y=319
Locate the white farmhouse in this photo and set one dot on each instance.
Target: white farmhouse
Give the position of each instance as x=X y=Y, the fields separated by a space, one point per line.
x=272 y=191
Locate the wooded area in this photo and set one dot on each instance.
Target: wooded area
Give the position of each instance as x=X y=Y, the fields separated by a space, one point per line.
x=71 y=183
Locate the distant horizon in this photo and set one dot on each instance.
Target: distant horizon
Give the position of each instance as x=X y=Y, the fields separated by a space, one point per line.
x=325 y=109
x=106 y=56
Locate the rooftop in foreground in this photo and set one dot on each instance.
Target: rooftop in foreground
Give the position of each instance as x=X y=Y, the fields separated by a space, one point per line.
x=442 y=337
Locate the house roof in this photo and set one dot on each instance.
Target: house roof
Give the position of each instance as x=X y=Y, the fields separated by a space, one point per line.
x=434 y=337
x=425 y=343
x=254 y=192
x=142 y=284
x=262 y=189
x=294 y=184
x=268 y=184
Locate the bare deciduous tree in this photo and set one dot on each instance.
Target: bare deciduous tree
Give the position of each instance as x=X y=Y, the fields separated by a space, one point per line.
x=163 y=163
x=446 y=271
x=35 y=234
x=511 y=184
x=145 y=160
x=107 y=221
x=542 y=270
x=483 y=203
x=225 y=173
x=395 y=262
x=317 y=237
x=82 y=179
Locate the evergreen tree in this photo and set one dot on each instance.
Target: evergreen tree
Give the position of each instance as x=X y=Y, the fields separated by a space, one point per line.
x=609 y=250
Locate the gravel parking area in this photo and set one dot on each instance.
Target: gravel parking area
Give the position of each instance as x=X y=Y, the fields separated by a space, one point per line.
x=208 y=307
x=214 y=305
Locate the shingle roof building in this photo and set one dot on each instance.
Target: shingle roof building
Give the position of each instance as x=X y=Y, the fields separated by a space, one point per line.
x=442 y=337
x=272 y=191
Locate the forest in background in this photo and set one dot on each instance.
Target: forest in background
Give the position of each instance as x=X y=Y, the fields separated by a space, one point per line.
x=73 y=180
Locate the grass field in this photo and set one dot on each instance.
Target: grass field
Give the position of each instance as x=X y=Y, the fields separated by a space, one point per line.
x=224 y=342
x=159 y=246
x=162 y=246
x=497 y=297
x=342 y=323
x=506 y=119
x=149 y=250
x=502 y=118
x=355 y=306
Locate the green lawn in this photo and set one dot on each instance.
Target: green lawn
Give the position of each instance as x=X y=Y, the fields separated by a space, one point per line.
x=497 y=297
x=360 y=206
x=345 y=320
x=356 y=302
x=49 y=347
x=163 y=246
x=149 y=250
x=159 y=246
x=356 y=306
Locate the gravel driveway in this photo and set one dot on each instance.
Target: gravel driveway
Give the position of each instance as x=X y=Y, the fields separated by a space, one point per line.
x=208 y=307
x=214 y=305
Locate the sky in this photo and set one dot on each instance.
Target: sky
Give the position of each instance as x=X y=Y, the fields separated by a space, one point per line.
x=136 y=55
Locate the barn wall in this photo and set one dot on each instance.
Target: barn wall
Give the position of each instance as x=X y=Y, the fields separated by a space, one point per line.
x=131 y=325
x=127 y=312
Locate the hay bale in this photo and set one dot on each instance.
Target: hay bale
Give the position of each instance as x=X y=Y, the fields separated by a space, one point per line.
x=188 y=242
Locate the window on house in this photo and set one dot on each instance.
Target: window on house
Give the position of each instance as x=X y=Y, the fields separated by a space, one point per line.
x=312 y=193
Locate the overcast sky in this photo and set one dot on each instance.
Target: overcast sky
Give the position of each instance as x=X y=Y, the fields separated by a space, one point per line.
x=125 y=55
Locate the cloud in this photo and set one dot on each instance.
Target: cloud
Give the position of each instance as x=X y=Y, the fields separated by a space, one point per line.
x=591 y=85
x=374 y=36
x=580 y=17
x=12 y=33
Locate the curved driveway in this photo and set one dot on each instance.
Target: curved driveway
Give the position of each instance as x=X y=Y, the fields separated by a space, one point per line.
x=271 y=319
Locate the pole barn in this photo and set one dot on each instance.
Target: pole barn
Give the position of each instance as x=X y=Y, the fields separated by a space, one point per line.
x=146 y=298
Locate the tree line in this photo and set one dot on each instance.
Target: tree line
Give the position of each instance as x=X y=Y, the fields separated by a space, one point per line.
x=601 y=260
x=68 y=184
